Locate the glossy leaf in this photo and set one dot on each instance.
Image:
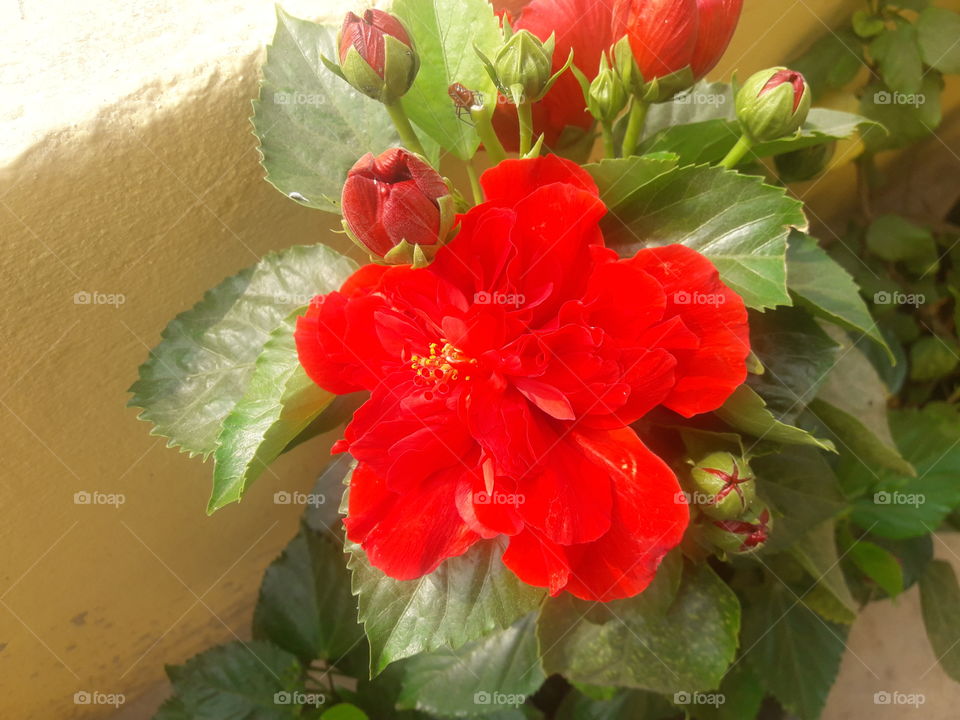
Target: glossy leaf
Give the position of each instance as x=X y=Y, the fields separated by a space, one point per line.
x=312 y=125
x=206 y=357
x=745 y=410
x=940 y=599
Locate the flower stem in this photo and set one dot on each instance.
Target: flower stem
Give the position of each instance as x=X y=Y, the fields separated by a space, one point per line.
x=402 y=123
x=488 y=136
x=474 y=183
x=525 y=116
x=609 y=147
x=638 y=118
x=737 y=153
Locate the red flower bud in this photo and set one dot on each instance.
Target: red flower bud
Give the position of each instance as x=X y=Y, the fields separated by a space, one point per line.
x=670 y=35
x=366 y=34
x=395 y=202
x=781 y=77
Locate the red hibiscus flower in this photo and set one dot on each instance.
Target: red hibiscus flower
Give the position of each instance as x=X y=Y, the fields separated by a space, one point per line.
x=503 y=379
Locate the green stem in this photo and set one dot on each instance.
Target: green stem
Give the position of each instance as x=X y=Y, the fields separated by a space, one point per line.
x=638 y=118
x=474 y=183
x=737 y=153
x=488 y=136
x=609 y=147
x=402 y=123
x=525 y=116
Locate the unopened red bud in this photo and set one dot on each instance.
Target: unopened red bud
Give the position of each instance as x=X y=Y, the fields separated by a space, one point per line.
x=725 y=486
x=377 y=55
x=773 y=104
x=740 y=537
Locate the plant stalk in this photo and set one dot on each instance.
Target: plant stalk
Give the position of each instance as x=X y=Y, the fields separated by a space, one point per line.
x=737 y=153
x=407 y=134
x=635 y=123
x=525 y=117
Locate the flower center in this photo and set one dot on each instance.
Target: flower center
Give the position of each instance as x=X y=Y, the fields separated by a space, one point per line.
x=438 y=371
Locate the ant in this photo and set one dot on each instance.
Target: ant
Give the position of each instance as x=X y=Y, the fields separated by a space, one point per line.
x=465 y=100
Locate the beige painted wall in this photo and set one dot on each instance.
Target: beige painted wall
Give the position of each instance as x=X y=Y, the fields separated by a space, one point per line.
x=130 y=168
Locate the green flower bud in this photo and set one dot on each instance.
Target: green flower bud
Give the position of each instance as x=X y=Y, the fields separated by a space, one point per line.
x=607 y=96
x=804 y=164
x=773 y=104
x=522 y=69
x=740 y=537
x=377 y=55
x=626 y=66
x=724 y=486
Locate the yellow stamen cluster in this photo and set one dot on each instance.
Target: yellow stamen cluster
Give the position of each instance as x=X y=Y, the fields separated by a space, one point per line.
x=443 y=366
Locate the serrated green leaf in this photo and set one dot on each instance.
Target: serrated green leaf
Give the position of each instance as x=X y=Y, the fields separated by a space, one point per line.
x=742 y=696
x=494 y=671
x=465 y=599
x=745 y=410
x=795 y=654
x=802 y=489
x=827 y=289
x=280 y=402
x=817 y=552
x=445 y=33
x=237 y=680
x=940 y=601
x=622 y=705
x=894 y=238
x=897 y=53
x=904 y=119
x=312 y=125
x=305 y=604
x=200 y=369
x=877 y=564
x=735 y=220
x=938 y=32
x=631 y=643
x=618 y=178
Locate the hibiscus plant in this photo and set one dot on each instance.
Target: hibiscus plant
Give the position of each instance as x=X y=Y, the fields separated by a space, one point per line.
x=614 y=429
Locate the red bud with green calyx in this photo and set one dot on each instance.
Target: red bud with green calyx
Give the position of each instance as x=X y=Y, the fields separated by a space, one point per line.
x=773 y=104
x=377 y=55
x=724 y=486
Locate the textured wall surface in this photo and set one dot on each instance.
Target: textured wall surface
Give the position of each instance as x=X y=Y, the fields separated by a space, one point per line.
x=129 y=169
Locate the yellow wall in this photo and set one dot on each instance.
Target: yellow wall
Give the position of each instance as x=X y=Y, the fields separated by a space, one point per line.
x=154 y=193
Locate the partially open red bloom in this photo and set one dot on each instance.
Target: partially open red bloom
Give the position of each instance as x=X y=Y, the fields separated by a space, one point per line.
x=366 y=35
x=503 y=379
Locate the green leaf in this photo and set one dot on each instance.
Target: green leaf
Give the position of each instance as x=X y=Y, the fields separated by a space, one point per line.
x=305 y=604
x=904 y=506
x=894 y=238
x=344 y=711
x=633 y=643
x=737 y=221
x=853 y=405
x=742 y=696
x=938 y=32
x=501 y=670
x=905 y=118
x=704 y=101
x=311 y=123
x=746 y=411
x=827 y=289
x=817 y=553
x=832 y=62
x=237 y=680
x=940 y=600
x=465 y=599
x=280 y=402
x=794 y=652
x=709 y=141
x=802 y=489
x=877 y=564
x=445 y=33
x=202 y=366
x=624 y=705
x=796 y=356
x=618 y=178
x=897 y=53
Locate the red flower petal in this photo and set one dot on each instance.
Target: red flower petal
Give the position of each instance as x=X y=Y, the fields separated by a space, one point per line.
x=512 y=180
x=663 y=33
x=718 y=20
